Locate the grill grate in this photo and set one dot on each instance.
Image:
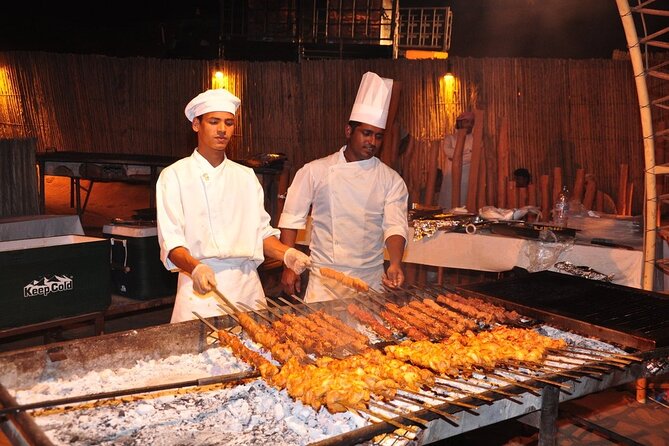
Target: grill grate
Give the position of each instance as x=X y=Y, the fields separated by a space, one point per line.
x=627 y=316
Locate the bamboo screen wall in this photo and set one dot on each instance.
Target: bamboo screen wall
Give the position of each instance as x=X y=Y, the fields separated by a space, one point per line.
x=572 y=114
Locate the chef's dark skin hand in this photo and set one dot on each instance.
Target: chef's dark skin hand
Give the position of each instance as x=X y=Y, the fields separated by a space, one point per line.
x=291 y=282
x=394 y=276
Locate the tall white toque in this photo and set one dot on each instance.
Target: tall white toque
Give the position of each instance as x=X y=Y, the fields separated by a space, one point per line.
x=373 y=99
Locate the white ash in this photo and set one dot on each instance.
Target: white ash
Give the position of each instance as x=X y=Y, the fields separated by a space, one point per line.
x=252 y=413
x=576 y=340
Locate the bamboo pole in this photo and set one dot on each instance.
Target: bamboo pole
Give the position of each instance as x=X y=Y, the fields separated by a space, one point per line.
x=502 y=160
x=481 y=188
x=522 y=196
x=477 y=156
x=590 y=191
x=577 y=194
x=386 y=150
x=414 y=172
x=546 y=203
x=557 y=184
x=650 y=192
x=532 y=194
x=621 y=204
x=456 y=172
x=599 y=201
x=433 y=151
x=511 y=197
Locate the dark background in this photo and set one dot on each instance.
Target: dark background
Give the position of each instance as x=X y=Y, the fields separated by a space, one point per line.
x=191 y=29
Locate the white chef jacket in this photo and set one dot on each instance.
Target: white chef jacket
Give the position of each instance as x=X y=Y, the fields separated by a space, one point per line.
x=218 y=214
x=355 y=207
x=446 y=165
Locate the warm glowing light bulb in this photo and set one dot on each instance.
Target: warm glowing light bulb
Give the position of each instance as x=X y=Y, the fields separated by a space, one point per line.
x=218 y=80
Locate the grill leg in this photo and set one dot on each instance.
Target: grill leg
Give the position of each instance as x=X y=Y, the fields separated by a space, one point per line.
x=549 y=412
x=641 y=387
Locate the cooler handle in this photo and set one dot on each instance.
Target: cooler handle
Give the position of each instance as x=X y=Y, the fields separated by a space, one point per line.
x=116 y=265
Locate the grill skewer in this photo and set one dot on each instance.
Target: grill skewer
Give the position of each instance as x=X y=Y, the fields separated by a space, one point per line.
x=407 y=399
x=205 y=381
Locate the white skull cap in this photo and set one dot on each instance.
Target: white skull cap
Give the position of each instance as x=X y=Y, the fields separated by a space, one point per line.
x=219 y=99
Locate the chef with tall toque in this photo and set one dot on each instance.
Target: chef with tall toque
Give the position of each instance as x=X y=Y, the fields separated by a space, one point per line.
x=358 y=205
x=212 y=224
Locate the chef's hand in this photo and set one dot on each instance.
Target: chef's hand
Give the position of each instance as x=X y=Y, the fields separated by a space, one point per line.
x=204 y=279
x=296 y=260
x=394 y=276
x=291 y=282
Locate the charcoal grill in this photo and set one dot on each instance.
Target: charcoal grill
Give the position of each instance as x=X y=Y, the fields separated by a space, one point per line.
x=626 y=316
x=548 y=297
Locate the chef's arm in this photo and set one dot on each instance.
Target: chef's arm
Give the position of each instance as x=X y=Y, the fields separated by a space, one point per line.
x=394 y=276
x=182 y=259
x=204 y=278
x=288 y=236
x=291 y=282
x=395 y=246
x=273 y=248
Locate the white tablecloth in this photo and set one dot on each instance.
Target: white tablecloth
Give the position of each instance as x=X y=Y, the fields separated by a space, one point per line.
x=37 y=226
x=483 y=252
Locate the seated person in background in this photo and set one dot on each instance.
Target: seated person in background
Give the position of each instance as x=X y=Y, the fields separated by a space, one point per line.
x=522 y=177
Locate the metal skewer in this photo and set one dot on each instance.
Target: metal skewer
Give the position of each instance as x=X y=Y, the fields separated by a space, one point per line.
x=389 y=407
x=225 y=299
x=378 y=416
x=489 y=386
x=447 y=416
x=256 y=312
x=209 y=380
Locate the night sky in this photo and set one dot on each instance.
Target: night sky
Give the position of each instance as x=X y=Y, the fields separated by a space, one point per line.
x=189 y=29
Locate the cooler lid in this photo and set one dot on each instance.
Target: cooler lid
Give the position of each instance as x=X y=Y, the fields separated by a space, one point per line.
x=130 y=230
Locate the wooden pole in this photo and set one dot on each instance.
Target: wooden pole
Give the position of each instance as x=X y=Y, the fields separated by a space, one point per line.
x=546 y=203
x=590 y=191
x=522 y=196
x=511 y=198
x=456 y=172
x=599 y=201
x=557 y=184
x=621 y=204
x=481 y=200
x=577 y=194
x=433 y=151
x=532 y=195
x=502 y=160
x=477 y=156
x=386 y=150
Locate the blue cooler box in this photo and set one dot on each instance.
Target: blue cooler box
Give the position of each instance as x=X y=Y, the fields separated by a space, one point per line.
x=136 y=269
x=52 y=277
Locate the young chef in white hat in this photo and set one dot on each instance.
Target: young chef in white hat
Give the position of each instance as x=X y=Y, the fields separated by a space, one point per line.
x=212 y=224
x=357 y=203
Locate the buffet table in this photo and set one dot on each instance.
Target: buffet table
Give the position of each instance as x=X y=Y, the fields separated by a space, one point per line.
x=496 y=253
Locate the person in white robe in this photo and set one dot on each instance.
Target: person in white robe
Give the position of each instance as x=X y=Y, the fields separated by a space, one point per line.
x=212 y=224
x=466 y=121
x=357 y=205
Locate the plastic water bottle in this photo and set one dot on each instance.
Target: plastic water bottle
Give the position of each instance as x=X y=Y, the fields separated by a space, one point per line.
x=561 y=208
